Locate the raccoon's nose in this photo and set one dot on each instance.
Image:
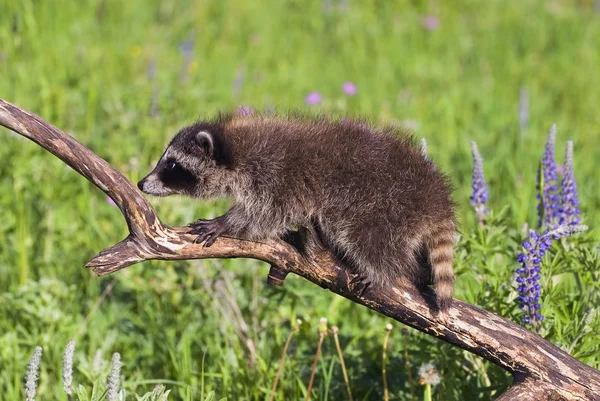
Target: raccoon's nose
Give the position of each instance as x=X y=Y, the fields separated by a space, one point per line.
x=140 y=184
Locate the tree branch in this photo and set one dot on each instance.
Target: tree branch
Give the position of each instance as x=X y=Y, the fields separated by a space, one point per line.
x=529 y=389
x=543 y=370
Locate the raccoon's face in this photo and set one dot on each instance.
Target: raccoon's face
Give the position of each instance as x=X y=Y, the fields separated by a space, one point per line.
x=187 y=167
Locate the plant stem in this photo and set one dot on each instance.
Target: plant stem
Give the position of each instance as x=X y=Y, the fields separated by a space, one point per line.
x=314 y=367
x=407 y=365
x=339 y=350
x=281 y=360
x=427 y=393
x=386 y=393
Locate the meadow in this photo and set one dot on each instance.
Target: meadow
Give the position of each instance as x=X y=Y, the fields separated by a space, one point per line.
x=122 y=77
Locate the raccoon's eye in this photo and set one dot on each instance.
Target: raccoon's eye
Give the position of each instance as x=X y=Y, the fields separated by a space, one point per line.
x=171 y=165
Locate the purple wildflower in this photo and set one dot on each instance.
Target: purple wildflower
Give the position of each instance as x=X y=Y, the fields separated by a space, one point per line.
x=110 y=201
x=548 y=207
x=154 y=110
x=238 y=82
x=569 y=213
x=431 y=22
x=244 y=111
x=523 y=108
x=349 y=88
x=313 y=98
x=186 y=48
x=151 y=74
x=151 y=70
x=528 y=274
x=187 y=51
x=480 y=194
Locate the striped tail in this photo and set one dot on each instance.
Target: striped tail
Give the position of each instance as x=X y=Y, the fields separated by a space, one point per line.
x=441 y=256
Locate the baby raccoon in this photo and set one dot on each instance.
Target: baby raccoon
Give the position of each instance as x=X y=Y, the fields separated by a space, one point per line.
x=375 y=201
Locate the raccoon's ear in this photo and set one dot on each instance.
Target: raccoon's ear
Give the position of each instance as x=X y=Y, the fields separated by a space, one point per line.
x=205 y=141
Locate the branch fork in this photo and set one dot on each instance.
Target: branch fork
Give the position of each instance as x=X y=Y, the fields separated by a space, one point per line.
x=541 y=370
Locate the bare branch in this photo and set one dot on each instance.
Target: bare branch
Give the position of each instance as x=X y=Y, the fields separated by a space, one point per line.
x=530 y=389
x=543 y=369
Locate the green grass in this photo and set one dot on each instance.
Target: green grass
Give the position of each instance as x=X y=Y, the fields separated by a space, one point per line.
x=84 y=66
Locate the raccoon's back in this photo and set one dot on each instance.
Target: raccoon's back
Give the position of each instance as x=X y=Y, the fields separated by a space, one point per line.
x=381 y=172
x=341 y=164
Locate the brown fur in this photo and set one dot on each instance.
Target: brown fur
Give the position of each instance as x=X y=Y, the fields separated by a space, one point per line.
x=376 y=201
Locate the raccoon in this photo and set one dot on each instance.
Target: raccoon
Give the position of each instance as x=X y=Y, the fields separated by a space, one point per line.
x=374 y=199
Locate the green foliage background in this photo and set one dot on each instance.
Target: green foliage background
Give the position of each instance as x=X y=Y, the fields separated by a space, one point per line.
x=113 y=75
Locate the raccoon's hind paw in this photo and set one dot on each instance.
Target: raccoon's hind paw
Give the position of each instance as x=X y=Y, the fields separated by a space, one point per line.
x=359 y=284
x=208 y=230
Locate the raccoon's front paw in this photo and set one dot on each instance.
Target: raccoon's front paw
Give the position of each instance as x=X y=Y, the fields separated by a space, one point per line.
x=207 y=230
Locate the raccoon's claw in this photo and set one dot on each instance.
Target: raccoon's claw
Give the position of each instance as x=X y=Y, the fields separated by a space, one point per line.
x=208 y=231
x=211 y=239
x=359 y=284
x=198 y=225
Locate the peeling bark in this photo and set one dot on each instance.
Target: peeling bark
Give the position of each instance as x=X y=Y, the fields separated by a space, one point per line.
x=542 y=371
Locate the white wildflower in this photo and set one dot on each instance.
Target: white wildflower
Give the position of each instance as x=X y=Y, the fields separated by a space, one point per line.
x=98 y=362
x=33 y=369
x=429 y=375
x=68 y=367
x=112 y=391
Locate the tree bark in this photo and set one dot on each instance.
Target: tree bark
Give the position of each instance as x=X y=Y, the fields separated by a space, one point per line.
x=542 y=371
x=529 y=389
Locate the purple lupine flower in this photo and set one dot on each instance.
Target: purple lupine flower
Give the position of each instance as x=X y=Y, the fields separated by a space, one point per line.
x=154 y=110
x=313 y=98
x=349 y=88
x=151 y=70
x=528 y=274
x=238 y=82
x=431 y=22
x=523 y=108
x=110 y=201
x=186 y=48
x=569 y=205
x=244 y=111
x=548 y=206
x=151 y=75
x=328 y=5
x=480 y=194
